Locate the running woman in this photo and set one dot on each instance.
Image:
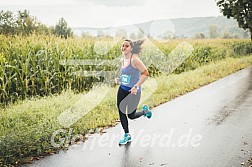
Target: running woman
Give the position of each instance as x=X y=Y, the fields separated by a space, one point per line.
x=133 y=74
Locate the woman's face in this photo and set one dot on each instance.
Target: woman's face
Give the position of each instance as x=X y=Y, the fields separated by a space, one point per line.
x=126 y=48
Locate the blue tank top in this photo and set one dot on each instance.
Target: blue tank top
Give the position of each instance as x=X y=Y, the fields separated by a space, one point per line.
x=129 y=77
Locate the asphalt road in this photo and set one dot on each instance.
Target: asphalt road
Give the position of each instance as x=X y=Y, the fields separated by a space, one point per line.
x=209 y=127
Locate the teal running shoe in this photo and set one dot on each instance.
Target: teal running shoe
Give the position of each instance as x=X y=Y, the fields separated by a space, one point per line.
x=147 y=111
x=126 y=139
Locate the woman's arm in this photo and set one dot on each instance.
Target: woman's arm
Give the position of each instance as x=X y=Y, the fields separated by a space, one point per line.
x=144 y=73
x=117 y=80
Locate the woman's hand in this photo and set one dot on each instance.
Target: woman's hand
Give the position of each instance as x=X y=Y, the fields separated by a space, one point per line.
x=117 y=81
x=133 y=91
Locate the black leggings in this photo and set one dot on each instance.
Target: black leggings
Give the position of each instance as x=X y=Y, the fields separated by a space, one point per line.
x=127 y=100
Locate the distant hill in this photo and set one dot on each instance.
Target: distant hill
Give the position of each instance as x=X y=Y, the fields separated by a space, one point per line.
x=181 y=28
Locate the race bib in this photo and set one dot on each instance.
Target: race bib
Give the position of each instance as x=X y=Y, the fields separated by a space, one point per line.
x=125 y=79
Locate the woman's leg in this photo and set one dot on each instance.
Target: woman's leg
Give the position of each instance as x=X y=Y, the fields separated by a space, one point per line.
x=121 y=105
x=133 y=101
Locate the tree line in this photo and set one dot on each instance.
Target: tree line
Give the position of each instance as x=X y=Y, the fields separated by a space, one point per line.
x=24 y=24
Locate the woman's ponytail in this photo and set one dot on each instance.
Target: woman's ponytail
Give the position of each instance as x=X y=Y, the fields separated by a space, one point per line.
x=136 y=45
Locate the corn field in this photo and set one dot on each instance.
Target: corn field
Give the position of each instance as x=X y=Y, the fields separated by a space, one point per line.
x=31 y=66
x=38 y=65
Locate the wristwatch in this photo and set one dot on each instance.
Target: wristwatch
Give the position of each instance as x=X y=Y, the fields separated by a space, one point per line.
x=136 y=87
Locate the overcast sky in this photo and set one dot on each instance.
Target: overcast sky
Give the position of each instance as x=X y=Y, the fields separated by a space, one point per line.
x=105 y=13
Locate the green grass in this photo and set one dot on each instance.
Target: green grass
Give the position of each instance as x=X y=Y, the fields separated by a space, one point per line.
x=27 y=126
x=172 y=86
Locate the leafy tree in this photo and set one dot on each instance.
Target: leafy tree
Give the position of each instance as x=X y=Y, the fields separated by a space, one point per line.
x=7 y=23
x=200 y=36
x=227 y=35
x=26 y=24
x=22 y=23
x=61 y=29
x=240 y=10
x=213 y=31
x=166 y=35
x=43 y=29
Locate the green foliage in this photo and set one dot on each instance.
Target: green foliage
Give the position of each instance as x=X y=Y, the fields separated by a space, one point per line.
x=200 y=36
x=61 y=29
x=242 y=48
x=240 y=10
x=26 y=24
x=7 y=23
x=22 y=23
x=34 y=66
